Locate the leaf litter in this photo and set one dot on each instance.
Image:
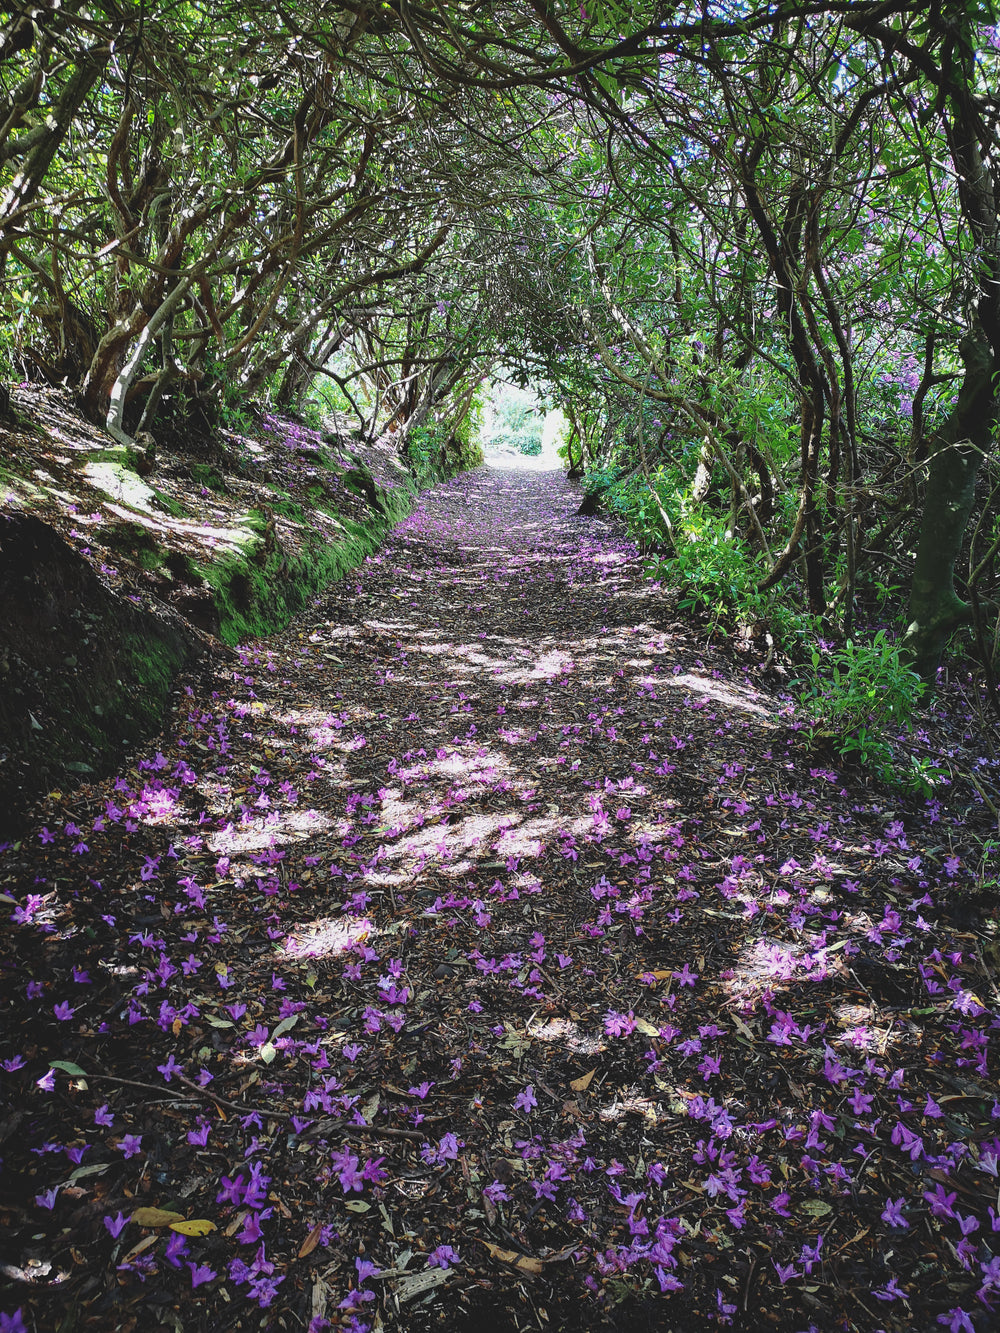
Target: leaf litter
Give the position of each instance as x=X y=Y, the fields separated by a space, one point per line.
x=485 y=952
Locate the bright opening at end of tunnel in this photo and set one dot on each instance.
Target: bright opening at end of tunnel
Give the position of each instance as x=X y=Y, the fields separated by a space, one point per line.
x=518 y=430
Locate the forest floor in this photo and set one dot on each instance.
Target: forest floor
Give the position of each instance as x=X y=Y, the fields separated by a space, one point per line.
x=484 y=953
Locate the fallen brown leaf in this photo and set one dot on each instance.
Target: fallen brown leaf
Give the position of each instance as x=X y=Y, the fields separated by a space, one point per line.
x=311 y=1241
x=524 y=1262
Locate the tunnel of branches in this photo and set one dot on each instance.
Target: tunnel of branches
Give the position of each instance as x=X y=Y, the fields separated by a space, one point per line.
x=752 y=255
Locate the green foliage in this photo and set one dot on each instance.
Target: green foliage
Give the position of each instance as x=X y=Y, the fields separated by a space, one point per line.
x=424 y=446
x=206 y=476
x=718 y=578
x=324 y=402
x=468 y=431
x=763 y=409
x=867 y=685
x=599 y=480
x=632 y=499
x=916 y=774
x=436 y=450
x=235 y=417
x=513 y=419
x=857 y=695
x=313 y=413
x=988 y=874
x=713 y=568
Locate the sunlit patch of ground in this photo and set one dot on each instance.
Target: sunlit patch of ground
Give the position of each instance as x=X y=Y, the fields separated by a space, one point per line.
x=326 y=937
x=721 y=692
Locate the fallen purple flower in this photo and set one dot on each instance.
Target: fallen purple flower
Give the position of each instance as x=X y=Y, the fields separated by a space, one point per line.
x=892 y=1213
x=525 y=1101
x=443 y=1257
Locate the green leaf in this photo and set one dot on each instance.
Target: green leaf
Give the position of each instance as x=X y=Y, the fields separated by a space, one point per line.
x=82 y=1172
x=68 y=1067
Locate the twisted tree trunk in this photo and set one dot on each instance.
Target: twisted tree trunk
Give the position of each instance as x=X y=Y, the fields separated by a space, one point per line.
x=957 y=452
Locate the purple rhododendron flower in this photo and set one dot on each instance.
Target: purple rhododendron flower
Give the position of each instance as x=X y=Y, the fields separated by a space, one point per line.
x=524 y=1101
x=957 y=1320
x=443 y=1257
x=176 y=1249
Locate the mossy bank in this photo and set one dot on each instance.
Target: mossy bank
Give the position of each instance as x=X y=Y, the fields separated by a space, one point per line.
x=121 y=568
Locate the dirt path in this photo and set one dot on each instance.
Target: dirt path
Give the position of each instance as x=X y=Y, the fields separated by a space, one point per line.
x=482 y=955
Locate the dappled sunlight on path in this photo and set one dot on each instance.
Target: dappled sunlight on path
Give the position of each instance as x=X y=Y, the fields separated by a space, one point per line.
x=485 y=943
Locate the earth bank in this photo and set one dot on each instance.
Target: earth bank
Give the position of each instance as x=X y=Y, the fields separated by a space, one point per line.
x=123 y=568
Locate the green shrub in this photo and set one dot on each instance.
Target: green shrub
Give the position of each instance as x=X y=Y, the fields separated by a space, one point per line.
x=424 y=445
x=855 y=696
x=517 y=419
x=717 y=575
x=468 y=432
x=597 y=479
x=435 y=451
x=869 y=685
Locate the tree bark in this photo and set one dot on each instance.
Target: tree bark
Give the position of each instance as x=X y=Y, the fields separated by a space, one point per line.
x=957 y=453
x=115 y=421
